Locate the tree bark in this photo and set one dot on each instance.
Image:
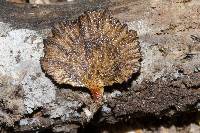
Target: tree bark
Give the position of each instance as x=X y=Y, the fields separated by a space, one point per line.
x=168 y=83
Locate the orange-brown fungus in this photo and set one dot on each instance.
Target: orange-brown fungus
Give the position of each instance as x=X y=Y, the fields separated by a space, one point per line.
x=93 y=51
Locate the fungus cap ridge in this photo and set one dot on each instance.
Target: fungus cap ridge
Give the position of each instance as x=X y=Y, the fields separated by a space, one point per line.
x=94 y=48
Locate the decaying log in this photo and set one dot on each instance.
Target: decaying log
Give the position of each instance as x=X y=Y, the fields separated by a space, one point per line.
x=168 y=82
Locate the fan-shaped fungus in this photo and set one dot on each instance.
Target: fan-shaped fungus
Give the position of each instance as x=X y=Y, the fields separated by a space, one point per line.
x=94 y=51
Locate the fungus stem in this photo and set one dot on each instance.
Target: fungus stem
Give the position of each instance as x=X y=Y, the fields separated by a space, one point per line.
x=97 y=92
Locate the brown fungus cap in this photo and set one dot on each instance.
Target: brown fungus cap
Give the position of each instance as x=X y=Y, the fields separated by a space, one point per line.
x=93 y=51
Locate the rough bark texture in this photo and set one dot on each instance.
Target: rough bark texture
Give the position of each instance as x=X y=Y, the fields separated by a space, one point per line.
x=168 y=83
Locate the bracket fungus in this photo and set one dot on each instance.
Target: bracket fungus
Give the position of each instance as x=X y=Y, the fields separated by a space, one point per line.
x=93 y=51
